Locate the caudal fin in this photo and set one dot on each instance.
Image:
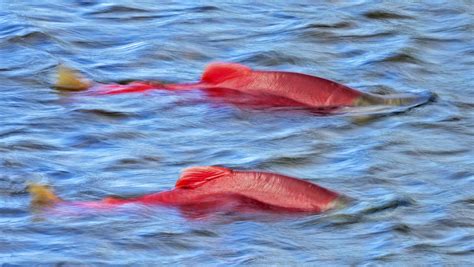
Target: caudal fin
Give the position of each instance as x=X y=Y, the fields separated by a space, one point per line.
x=42 y=195
x=71 y=80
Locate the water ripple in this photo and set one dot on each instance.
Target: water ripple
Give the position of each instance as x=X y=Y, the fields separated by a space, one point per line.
x=409 y=173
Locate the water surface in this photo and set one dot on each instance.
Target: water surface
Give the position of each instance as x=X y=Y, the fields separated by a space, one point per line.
x=411 y=173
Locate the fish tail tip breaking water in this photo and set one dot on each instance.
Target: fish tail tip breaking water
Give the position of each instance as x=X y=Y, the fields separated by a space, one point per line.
x=70 y=80
x=42 y=195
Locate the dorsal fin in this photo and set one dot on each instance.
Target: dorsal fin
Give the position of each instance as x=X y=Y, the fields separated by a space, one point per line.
x=219 y=71
x=196 y=176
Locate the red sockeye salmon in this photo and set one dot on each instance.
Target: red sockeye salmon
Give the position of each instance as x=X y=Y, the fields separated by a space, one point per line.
x=274 y=88
x=203 y=187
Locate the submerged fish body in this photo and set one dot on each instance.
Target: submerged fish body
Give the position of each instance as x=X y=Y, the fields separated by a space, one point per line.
x=276 y=88
x=303 y=89
x=217 y=187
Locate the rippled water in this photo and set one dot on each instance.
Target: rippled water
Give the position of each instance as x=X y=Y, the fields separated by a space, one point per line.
x=411 y=174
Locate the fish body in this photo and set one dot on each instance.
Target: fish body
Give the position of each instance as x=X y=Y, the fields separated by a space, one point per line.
x=304 y=89
x=203 y=187
x=277 y=88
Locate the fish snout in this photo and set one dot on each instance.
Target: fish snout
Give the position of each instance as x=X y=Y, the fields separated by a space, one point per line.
x=414 y=99
x=340 y=202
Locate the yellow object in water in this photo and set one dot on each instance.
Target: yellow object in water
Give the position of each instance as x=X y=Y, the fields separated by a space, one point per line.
x=68 y=79
x=42 y=195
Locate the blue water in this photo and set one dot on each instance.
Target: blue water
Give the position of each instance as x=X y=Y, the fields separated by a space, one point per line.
x=411 y=173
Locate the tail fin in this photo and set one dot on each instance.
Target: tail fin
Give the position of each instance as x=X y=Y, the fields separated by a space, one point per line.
x=42 y=195
x=71 y=80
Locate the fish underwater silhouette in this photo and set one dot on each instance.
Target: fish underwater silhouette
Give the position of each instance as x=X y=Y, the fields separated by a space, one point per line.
x=239 y=83
x=215 y=188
